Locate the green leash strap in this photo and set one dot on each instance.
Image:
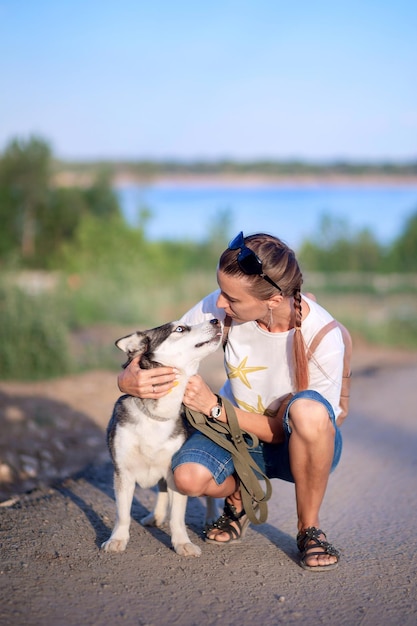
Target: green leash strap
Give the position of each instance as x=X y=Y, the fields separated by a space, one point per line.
x=230 y=437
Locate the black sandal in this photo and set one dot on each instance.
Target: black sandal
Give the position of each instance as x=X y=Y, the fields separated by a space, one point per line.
x=223 y=524
x=308 y=540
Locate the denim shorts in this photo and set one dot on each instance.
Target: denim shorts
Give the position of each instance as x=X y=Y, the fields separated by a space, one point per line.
x=272 y=459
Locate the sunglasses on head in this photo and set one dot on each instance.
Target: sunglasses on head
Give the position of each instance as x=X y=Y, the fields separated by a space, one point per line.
x=248 y=261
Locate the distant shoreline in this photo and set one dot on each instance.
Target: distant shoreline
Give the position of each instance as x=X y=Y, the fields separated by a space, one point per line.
x=195 y=180
x=124 y=179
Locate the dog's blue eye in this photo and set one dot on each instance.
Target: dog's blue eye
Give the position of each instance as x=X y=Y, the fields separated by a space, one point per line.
x=180 y=329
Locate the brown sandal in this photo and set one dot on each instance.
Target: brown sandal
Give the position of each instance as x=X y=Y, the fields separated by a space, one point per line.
x=308 y=540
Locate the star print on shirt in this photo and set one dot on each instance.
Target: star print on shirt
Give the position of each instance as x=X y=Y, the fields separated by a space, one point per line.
x=242 y=370
x=251 y=409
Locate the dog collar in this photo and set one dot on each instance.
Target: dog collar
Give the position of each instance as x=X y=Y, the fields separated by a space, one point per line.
x=141 y=405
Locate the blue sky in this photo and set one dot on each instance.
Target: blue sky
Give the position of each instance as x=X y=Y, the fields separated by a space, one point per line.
x=181 y=79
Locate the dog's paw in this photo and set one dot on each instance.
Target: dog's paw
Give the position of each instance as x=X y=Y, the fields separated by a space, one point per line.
x=187 y=549
x=114 y=545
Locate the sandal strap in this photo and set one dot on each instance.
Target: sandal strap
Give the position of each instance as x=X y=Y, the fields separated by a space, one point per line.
x=231 y=512
x=310 y=538
x=223 y=522
x=225 y=527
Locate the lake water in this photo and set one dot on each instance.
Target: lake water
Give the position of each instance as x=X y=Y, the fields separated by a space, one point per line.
x=292 y=213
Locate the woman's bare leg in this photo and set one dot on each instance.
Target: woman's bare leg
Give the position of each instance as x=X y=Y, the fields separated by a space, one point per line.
x=193 y=479
x=311 y=449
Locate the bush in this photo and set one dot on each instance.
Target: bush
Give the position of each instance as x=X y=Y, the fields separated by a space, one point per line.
x=34 y=339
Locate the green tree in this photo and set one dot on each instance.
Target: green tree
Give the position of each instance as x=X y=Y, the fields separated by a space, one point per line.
x=402 y=256
x=37 y=217
x=24 y=182
x=337 y=248
x=366 y=253
x=100 y=197
x=58 y=220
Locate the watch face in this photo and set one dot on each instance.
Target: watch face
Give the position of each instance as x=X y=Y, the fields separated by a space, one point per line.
x=216 y=412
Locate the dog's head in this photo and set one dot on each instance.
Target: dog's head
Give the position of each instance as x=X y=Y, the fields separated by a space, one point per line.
x=174 y=344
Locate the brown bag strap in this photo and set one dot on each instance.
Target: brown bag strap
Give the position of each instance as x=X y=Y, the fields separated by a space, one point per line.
x=347 y=340
x=347 y=373
x=319 y=336
x=230 y=436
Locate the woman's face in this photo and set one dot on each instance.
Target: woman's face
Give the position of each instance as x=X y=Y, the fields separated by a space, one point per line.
x=236 y=299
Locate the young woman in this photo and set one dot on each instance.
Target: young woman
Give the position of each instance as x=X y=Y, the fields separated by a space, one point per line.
x=272 y=324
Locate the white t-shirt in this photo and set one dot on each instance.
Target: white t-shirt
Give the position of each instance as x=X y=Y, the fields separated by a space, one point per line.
x=258 y=363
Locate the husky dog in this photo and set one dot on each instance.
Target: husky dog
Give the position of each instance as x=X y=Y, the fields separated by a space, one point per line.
x=143 y=434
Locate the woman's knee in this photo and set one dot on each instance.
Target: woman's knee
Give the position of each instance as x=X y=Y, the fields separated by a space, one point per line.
x=192 y=479
x=310 y=416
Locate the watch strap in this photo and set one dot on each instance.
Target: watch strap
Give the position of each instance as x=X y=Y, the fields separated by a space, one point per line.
x=215 y=412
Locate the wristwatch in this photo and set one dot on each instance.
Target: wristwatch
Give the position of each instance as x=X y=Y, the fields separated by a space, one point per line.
x=216 y=411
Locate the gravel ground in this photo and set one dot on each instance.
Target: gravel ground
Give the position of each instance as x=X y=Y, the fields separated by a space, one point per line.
x=52 y=572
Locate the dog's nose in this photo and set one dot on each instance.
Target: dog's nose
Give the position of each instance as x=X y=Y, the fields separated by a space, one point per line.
x=214 y=322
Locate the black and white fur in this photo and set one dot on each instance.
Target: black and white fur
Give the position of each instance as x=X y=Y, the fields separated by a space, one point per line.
x=143 y=434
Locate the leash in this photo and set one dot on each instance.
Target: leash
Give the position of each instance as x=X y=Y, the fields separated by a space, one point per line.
x=230 y=437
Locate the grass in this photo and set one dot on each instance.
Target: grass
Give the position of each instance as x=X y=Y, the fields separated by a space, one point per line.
x=380 y=319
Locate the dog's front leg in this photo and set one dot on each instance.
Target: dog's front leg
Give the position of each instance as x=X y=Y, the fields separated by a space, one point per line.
x=159 y=513
x=179 y=536
x=124 y=486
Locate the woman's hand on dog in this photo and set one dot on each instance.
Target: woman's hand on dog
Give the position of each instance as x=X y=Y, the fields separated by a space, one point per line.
x=153 y=383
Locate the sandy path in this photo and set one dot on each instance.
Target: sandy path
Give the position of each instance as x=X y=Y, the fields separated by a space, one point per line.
x=52 y=572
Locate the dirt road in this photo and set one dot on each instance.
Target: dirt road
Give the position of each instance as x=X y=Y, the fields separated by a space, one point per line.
x=53 y=574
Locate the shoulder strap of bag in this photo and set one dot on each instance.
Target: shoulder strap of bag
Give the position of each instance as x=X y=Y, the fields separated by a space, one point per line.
x=230 y=437
x=347 y=372
x=346 y=340
x=319 y=336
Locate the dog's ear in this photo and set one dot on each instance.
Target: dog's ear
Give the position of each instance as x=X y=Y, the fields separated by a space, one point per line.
x=134 y=345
